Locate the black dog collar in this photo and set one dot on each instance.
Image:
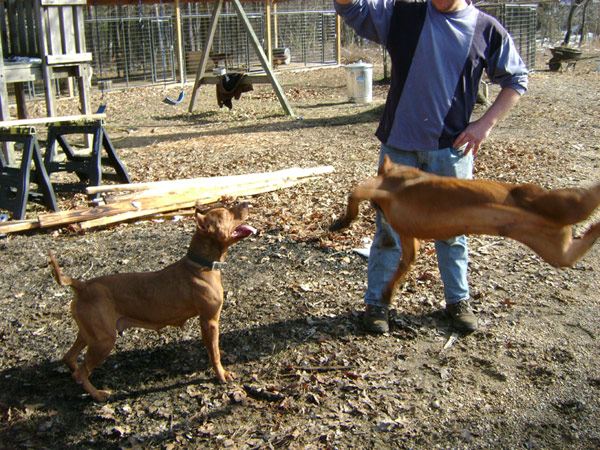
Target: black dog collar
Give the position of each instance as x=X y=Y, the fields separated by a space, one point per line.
x=212 y=265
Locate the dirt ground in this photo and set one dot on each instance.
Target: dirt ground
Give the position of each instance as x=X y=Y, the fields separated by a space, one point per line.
x=290 y=329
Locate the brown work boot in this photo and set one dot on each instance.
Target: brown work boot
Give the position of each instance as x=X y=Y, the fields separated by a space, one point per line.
x=375 y=319
x=462 y=317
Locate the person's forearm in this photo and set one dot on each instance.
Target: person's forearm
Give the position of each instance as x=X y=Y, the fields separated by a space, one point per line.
x=478 y=131
x=505 y=101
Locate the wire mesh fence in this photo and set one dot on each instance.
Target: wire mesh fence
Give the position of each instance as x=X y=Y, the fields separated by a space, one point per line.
x=521 y=22
x=134 y=45
x=130 y=47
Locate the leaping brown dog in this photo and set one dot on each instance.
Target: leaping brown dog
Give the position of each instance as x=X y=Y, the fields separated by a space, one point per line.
x=419 y=205
x=187 y=288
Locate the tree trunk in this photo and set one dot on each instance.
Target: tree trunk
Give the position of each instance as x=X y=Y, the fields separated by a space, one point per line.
x=582 y=30
x=569 y=24
x=574 y=5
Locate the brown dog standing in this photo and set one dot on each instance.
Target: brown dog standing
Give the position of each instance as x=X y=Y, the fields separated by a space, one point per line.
x=419 y=205
x=187 y=288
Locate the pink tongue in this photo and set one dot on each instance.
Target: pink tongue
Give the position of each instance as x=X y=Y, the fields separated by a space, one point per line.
x=244 y=230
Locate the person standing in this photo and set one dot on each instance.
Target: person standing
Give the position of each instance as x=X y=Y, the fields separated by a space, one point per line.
x=439 y=50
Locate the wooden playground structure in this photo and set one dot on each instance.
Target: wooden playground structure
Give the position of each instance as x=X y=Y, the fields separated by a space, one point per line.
x=42 y=40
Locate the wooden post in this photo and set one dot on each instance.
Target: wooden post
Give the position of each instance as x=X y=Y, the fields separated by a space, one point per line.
x=204 y=60
x=6 y=149
x=262 y=57
x=43 y=24
x=179 y=42
x=275 y=27
x=268 y=31
x=338 y=32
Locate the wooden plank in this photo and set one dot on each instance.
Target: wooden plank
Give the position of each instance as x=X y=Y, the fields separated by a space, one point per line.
x=4 y=102
x=18 y=225
x=268 y=31
x=179 y=42
x=207 y=182
x=22 y=31
x=33 y=48
x=68 y=59
x=3 y=30
x=15 y=73
x=63 y=2
x=54 y=119
x=255 y=79
x=232 y=191
x=68 y=30
x=152 y=202
x=13 y=28
x=94 y=223
x=78 y=215
x=54 y=31
x=79 y=28
x=49 y=88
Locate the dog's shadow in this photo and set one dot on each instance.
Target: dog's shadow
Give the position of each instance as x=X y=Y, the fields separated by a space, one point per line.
x=163 y=366
x=177 y=364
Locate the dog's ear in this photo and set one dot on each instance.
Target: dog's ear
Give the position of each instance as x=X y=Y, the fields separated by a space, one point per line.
x=199 y=217
x=240 y=211
x=386 y=165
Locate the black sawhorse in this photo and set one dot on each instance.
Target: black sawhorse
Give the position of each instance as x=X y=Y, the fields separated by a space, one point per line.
x=87 y=167
x=15 y=182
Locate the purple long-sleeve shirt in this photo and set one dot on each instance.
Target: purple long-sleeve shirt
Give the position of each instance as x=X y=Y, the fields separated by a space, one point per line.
x=437 y=64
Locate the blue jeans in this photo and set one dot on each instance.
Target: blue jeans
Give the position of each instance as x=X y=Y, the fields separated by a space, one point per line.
x=452 y=254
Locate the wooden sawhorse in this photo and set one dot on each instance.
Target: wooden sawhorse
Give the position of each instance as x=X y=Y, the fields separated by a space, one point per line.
x=87 y=167
x=15 y=181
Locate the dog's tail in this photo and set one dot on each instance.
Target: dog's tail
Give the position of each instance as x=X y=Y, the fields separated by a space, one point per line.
x=61 y=279
x=358 y=195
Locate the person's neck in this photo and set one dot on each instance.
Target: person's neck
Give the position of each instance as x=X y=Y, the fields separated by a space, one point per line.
x=450 y=6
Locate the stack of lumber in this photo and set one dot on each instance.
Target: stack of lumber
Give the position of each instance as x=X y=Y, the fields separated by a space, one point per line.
x=125 y=202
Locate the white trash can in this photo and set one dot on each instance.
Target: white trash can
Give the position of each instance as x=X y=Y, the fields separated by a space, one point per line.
x=359 y=79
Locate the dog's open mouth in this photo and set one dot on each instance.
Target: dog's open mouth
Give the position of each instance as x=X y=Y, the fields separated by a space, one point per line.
x=243 y=231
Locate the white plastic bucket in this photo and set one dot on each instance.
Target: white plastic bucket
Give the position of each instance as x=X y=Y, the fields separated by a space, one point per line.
x=359 y=79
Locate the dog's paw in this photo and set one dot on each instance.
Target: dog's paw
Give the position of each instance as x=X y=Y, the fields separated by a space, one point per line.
x=226 y=376
x=101 y=395
x=337 y=225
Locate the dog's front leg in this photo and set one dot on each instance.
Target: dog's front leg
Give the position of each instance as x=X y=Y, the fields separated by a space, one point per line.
x=210 y=336
x=410 y=247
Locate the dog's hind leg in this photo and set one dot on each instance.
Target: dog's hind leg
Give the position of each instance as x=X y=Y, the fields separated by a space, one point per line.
x=555 y=245
x=70 y=358
x=577 y=248
x=410 y=247
x=97 y=352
